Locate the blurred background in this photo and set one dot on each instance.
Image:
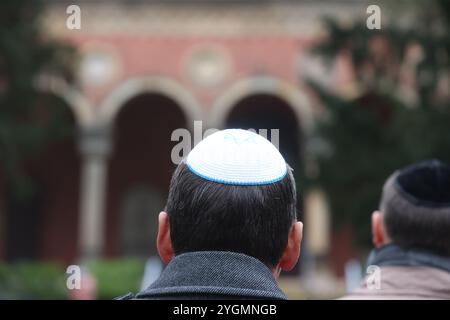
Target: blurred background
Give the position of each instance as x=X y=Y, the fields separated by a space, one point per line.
x=87 y=114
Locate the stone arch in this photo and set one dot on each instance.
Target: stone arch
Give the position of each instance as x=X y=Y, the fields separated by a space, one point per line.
x=76 y=101
x=263 y=85
x=113 y=103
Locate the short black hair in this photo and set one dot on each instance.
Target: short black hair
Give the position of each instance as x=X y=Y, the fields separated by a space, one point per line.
x=416 y=204
x=210 y=216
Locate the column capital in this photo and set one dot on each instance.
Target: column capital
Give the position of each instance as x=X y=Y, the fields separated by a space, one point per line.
x=95 y=141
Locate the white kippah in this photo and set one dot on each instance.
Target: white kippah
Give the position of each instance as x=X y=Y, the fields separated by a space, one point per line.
x=239 y=157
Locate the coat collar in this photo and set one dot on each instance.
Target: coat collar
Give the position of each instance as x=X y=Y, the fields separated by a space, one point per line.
x=393 y=255
x=215 y=273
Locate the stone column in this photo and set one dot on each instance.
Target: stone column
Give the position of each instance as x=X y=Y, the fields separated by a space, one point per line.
x=95 y=148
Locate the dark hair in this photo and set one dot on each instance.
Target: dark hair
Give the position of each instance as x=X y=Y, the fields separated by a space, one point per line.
x=210 y=216
x=416 y=204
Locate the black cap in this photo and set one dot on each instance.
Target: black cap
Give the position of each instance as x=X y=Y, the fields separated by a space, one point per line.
x=426 y=183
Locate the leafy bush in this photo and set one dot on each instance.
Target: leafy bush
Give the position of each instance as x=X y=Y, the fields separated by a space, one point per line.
x=46 y=280
x=117 y=277
x=32 y=280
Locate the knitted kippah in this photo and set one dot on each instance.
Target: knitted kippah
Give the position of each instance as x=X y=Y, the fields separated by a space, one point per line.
x=238 y=157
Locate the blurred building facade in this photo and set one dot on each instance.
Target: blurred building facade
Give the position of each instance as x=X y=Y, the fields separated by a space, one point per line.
x=148 y=68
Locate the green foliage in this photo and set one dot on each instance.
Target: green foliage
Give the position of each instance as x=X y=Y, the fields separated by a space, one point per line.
x=28 y=119
x=377 y=54
x=367 y=145
x=27 y=280
x=45 y=280
x=368 y=138
x=117 y=277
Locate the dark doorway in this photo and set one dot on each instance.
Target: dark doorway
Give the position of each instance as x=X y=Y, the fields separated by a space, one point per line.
x=140 y=172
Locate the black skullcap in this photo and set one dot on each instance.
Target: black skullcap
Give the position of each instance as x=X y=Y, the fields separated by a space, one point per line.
x=425 y=183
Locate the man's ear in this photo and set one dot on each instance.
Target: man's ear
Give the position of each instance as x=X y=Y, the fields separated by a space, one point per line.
x=379 y=235
x=292 y=251
x=163 y=240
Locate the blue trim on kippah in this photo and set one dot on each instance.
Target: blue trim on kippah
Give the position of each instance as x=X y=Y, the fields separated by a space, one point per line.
x=239 y=183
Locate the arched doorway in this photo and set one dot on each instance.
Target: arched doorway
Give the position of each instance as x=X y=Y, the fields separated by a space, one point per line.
x=262 y=111
x=139 y=172
x=42 y=223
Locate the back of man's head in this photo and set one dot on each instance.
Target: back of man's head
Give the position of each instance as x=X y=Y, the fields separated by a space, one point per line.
x=416 y=207
x=234 y=192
